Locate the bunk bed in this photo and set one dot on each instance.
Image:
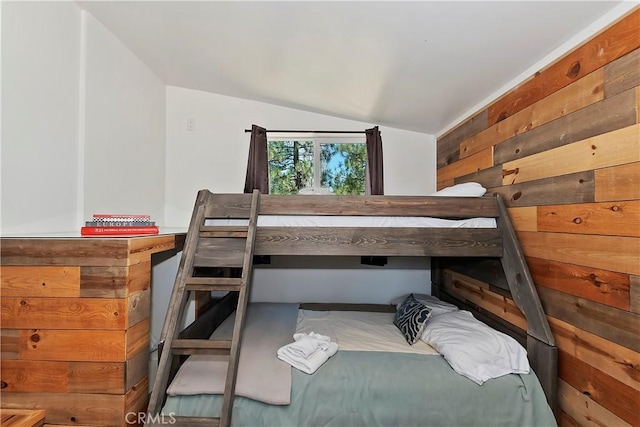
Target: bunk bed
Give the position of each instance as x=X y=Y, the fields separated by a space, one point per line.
x=471 y=227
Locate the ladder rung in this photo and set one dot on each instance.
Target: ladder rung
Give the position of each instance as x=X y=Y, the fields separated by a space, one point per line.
x=195 y=346
x=223 y=231
x=184 y=421
x=213 y=283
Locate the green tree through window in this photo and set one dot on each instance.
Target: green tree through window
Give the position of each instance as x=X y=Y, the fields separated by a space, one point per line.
x=292 y=166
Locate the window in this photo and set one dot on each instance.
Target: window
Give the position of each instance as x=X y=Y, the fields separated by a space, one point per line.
x=317 y=165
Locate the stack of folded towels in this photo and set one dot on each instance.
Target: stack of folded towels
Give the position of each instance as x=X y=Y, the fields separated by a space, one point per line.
x=308 y=351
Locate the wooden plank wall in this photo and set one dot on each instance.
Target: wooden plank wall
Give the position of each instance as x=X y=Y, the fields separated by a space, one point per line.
x=563 y=148
x=75 y=326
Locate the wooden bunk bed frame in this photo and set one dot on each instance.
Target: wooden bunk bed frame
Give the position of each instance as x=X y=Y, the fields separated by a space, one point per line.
x=499 y=244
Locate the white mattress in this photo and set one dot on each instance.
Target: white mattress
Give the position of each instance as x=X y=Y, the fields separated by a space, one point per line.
x=357 y=221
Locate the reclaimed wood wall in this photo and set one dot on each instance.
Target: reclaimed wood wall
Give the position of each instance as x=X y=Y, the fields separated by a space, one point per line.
x=75 y=326
x=563 y=148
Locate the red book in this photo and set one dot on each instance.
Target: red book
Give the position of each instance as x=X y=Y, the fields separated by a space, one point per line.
x=119 y=231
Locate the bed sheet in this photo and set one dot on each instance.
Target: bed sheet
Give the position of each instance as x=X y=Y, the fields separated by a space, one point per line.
x=387 y=389
x=384 y=386
x=357 y=221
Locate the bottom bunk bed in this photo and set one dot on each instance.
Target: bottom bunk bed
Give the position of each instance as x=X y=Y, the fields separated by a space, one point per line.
x=375 y=378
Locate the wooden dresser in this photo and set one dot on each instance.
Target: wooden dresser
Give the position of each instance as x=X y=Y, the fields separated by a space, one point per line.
x=75 y=325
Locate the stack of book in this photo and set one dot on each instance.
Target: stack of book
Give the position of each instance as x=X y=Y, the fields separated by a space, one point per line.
x=119 y=225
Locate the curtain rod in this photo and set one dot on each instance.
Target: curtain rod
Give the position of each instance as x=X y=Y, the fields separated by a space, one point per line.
x=310 y=131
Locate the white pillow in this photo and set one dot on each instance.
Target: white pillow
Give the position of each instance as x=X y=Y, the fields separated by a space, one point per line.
x=436 y=306
x=473 y=349
x=467 y=189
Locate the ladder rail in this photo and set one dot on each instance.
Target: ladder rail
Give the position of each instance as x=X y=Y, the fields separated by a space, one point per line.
x=247 y=272
x=178 y=299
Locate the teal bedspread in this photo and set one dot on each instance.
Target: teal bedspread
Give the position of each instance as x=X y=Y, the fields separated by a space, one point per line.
x=387 y=389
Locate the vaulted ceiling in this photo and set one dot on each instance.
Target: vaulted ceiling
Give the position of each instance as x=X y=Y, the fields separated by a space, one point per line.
x=416 y=65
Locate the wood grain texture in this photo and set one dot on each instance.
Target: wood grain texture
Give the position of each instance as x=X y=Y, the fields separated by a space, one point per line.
x=618 y=326
x=524 y=218
x=606 y=218
x=475 y=162
x=138 y=307
x=63 y=344
x=470 y=290
x=490 y=177
x=583 y=410
x=583 y=92
x=103 y=282
x=634 y=283
x=137 y=339
x=74 y=409
x=599 y=118
x=63 y=313
x=93 y=252
x=602 y=286
x=613 y=395
x=614 y=42
x=564 y=199
x=219 y=252
x=114 y=282
x=638 y=104
x=614 y=148
x=136 y=369
x=574 y=188
x=86 y=368
x=612 y=253
x=447 y=207
x=10 y=344
x=21 y=417
x=39 y=281
x=565 y=420
x=622 y=74
x=378 y=241
x=448 y=145
x=618 y=183
x=64 y=252
x=614 y=360
x=141 y=248
x=80 y=409
x=36 y=376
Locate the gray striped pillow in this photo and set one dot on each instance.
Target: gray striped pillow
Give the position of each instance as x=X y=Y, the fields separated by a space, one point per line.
x=411 y=317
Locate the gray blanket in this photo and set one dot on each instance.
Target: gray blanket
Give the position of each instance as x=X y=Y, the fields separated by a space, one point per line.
x=261 y=375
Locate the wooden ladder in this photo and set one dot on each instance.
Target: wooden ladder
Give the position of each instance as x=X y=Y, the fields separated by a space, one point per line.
x=216 y=250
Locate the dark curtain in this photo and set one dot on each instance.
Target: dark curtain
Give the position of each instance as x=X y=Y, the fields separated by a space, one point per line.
x=257 y=165
x=375 y=180
x=258 y=172
x=375 y=175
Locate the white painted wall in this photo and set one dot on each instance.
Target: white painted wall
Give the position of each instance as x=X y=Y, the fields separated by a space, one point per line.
x=124 y=135
x=83 y=122
x=40 y=74
x=214 y=156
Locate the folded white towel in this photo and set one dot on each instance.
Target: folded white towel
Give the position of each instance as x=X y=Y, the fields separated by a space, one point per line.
x=306 y=345
x=308 y=352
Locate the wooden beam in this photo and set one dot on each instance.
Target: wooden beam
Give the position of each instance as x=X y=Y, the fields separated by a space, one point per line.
x=520 y=281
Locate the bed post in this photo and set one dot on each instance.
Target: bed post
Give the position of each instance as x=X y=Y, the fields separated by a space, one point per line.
x=541 y=349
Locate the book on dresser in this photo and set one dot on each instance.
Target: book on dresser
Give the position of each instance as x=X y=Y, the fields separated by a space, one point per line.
x=119 y=225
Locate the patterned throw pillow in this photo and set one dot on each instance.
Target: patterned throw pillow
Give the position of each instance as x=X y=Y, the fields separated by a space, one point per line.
x=411 y=317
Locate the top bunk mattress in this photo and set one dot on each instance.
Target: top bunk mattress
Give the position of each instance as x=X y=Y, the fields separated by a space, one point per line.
x=357 y=221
